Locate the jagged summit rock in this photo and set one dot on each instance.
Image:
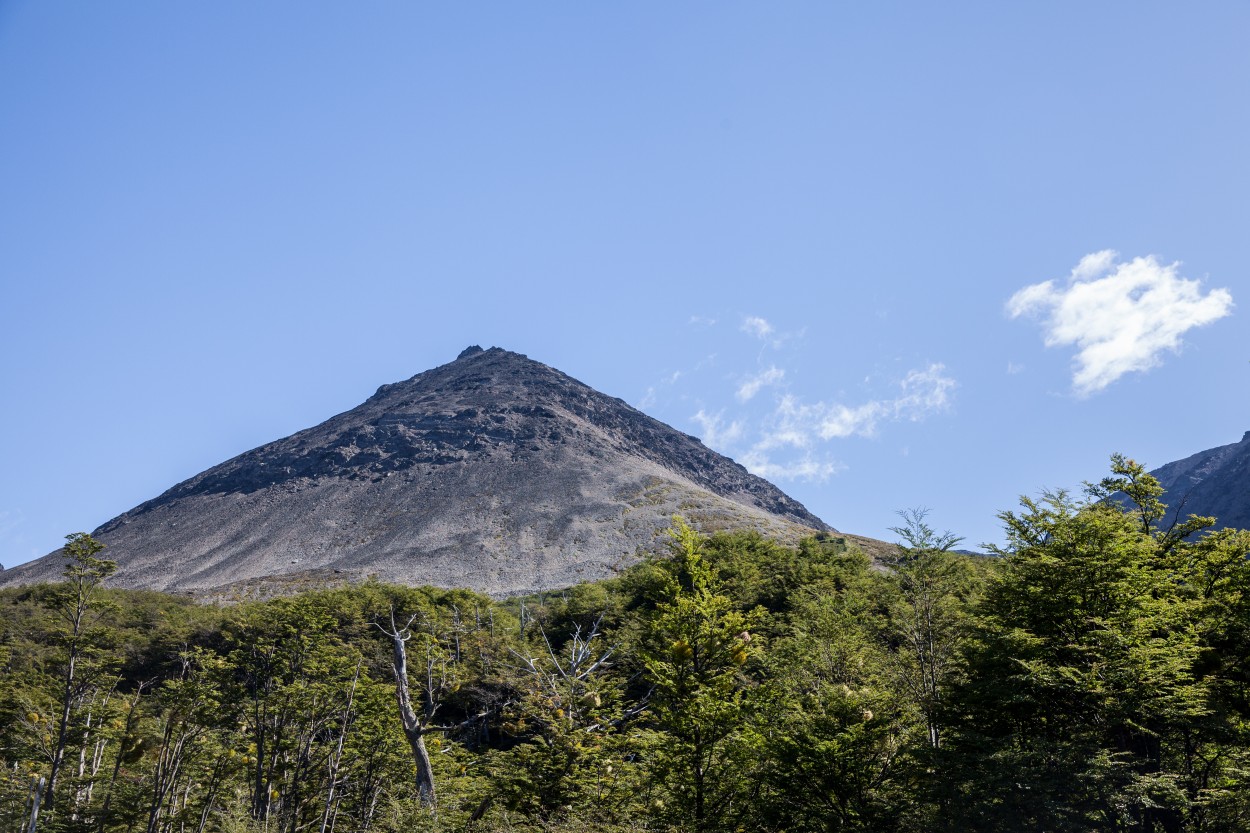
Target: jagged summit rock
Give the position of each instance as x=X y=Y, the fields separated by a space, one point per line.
x=493 y=472
x=1214 y=483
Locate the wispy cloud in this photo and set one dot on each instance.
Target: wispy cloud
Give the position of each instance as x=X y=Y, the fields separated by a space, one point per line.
x=756 y=326
x=668 y=387
x=763 y=330
x=777 y=434
x=651 y=396
x=796 y=427
x=805 y=468
x=923 y=392
x=715 y=432
x=1120 y=316
x=701 y=321
x=752 y=385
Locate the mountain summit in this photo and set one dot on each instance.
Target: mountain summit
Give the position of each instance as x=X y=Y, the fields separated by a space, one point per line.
x=493 y=472
x=1215 y=482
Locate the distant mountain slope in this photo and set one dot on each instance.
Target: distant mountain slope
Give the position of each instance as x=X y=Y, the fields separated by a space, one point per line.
x=493 y=472
x=1213 y=482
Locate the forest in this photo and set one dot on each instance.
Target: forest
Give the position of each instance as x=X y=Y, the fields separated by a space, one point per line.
x=1091 y=674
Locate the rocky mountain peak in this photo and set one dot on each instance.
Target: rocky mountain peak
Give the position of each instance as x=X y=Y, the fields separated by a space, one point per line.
x=1214 y=483
x=493 y=471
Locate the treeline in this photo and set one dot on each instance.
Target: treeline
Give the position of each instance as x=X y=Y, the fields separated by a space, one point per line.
x=1094 y=675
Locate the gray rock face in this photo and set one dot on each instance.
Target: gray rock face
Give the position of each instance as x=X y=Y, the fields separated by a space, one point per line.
x=1215 y=482
x=493 y=472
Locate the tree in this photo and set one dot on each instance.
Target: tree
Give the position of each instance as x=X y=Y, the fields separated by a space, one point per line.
x=416 y=723
x=928 y=616
x=837 y=730
x=1087 y=693
x=77 y=604
x=696 y=647
x=440 y=641
x=190 y=706
x=288 y=678
x=571 y=718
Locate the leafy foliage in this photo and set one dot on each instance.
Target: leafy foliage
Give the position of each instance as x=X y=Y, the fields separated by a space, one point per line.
x=1090 y=676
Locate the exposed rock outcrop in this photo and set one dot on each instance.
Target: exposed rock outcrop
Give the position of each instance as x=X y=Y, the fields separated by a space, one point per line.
x=1215 y=482
x=493 y=472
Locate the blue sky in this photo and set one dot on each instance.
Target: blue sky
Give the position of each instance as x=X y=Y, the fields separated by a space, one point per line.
x=817 y=235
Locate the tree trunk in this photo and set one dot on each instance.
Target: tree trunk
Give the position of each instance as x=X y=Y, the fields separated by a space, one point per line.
x=414 y=729
x=67 y=703
x=337 y=756
x=36 y=795
x=85 y=572
x=425 y=772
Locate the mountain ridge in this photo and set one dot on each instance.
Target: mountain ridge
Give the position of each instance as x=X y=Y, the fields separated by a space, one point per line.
x=493 y=471
x=1214 y=482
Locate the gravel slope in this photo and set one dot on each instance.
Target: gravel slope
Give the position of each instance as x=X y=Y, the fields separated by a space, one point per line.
x=493 y=472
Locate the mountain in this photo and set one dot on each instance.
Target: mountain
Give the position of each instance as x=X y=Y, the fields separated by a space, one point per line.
x=1214 y=482
x=493 y=472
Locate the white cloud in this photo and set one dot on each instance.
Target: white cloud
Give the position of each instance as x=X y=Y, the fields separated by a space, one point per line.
x=924 y=392
x=701 y=321
x=714 y=432
x=752 y=385
x=788 y=441
x=807 y=468
x=756 y=326
x=762 y=329
x=797 y=425
x=1120 y=316
x=652 y=395
x=1013 y=368
x=843 y=421
x=789 y=425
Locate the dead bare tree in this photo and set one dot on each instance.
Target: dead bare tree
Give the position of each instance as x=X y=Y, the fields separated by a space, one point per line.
x=36 y=794
x=572 y=680
x=416 y=724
